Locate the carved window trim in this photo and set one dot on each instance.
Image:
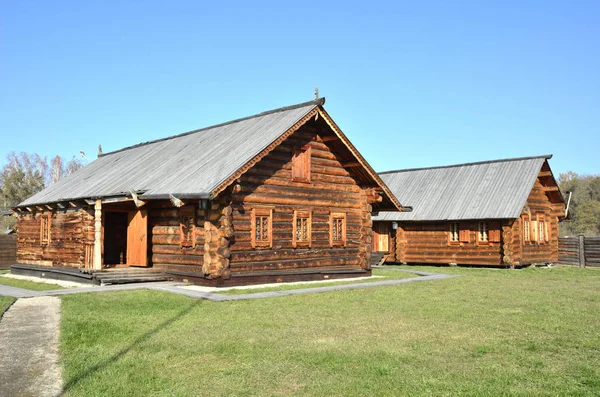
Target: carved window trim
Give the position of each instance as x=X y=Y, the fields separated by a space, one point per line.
x=337 y=229
x=526 y=229
x=301 y=164
x=187 y=227
x=542 y=229
x=483 y=236
x=302 y=218
x=262 y=233
x=454 y=233
x=45 y=229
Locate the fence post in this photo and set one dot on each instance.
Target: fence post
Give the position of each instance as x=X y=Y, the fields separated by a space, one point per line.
x=581 y=250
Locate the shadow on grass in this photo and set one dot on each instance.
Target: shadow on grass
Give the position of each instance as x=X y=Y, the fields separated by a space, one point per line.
x=141 y=339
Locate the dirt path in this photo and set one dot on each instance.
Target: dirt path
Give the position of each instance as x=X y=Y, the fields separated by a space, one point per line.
x=29 y=333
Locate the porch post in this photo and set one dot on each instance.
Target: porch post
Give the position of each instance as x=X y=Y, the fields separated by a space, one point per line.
x=97 y=265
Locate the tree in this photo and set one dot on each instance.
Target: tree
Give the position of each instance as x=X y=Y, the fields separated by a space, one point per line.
x=584 y=205
x=27 y=174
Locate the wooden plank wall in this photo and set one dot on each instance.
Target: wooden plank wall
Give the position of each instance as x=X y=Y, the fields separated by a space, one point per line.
x=8 y=250
x=70 y=230
x=527 y=253
x=427 y=242
x=167 y=254
x=579 y=251
x=332 y=188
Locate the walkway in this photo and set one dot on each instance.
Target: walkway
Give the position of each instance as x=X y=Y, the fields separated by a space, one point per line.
x=174 y=287
x=29 y=333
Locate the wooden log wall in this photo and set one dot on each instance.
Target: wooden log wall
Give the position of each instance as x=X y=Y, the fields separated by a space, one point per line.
x=427 y=242
x=579 y=251
x=8 y=250
x=332 y=188
x=69 y=231
x=167 y=253
x=538 y=202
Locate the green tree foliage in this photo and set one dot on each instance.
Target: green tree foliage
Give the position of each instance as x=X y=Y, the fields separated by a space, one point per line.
x=584 y=209
x=26 y=174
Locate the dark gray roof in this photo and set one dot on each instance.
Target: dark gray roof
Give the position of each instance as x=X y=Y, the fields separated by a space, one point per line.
x=485 y=190
x=190 y=164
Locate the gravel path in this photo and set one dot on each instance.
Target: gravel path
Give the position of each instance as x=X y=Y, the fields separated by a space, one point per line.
x=29 y=333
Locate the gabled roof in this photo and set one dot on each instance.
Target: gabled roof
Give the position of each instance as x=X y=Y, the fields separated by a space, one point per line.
x=195 y=165
x=495 y=189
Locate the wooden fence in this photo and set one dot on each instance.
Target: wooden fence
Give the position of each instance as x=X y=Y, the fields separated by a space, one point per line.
x=8 y=250
x=579 y=251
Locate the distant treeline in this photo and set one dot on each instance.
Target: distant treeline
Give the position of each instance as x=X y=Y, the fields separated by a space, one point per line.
x=584 y=209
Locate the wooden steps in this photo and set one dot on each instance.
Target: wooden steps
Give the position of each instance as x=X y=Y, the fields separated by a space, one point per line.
x=377 y=258
x=129 y=275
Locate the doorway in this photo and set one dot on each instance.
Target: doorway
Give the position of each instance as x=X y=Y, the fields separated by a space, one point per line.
x=125 y=238
x=381 y=236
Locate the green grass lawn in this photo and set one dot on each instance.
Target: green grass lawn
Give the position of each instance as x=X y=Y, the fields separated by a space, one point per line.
x=5 y=302
x=30 y=285
x=531 y=332
x=381 y=274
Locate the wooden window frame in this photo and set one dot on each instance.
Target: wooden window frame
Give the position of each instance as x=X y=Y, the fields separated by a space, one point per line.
x=302 y=214
x=262 y=212
x=542 y=229
x=301 y=163
x=333 y=216
x=186 y=212
x=45 y=229
x=454 y=233
x=486 y=233
x=526 y=233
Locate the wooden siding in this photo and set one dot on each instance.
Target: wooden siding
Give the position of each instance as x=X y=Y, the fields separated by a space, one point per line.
x=331 y=189
x=70 y=230
x=428 y=242
x=8 y=250
x=538 y=203
x=167 y=252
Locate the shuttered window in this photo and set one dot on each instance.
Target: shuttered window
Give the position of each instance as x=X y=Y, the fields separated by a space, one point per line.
x=187 y=227
x=464 y=232
x=482 y=236
x=337 y=229
x=302 y=228
x=526 y=229
x=45 y=224
x=494 y=234
x=454 y=236
x=301 y=165
x=262 y=225
x=542 y=230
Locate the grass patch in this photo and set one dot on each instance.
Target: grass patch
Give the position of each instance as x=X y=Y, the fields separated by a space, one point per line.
x=383 y=275
x=5 y=302
x=30 y=285
x=531 y=332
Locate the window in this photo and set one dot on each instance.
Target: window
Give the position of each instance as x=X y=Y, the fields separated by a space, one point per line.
x=454 y=233
x=187 y=227
x=337 y=228
x=301 y=165
x=526 y=229
x=302 y=225
x=542 y=230
x=45 y=222
x=262 y=227
x=483 y=232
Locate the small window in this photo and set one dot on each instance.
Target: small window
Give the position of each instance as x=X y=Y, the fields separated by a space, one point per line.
x=454 y=233
x=483 y=232
x=302 y=228
x=262 y=225
x=526 y=229
x=301 y=165
x=542 y=231
x=187 y=227
x=337 y=229
x=45 y=222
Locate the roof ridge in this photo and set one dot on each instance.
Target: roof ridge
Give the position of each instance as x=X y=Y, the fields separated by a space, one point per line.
x=316 y=102
x=545 y=156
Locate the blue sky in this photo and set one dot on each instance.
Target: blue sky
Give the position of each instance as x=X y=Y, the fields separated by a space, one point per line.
x=412 y=85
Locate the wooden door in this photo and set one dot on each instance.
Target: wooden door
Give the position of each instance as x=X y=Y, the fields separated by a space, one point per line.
x=381 y=237
x=137 y=238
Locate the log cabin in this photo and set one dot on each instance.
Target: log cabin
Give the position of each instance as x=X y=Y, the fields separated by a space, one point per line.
x=502 y=213
x=279 y=196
